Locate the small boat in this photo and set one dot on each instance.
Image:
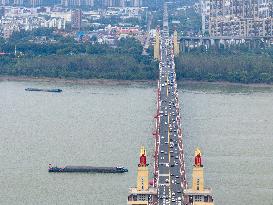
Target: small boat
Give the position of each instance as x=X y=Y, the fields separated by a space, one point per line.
x=54 y=90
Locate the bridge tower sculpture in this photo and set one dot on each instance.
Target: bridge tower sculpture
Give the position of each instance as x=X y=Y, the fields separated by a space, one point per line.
x=157 y=45
x=198 y=194
x=143 y=193
x=175 y=43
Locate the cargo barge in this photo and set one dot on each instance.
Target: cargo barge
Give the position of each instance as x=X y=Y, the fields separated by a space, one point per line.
x=87 y=169
x=57 y=90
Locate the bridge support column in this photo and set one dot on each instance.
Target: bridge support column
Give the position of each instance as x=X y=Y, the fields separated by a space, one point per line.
x=175 y=44
x=157 y=46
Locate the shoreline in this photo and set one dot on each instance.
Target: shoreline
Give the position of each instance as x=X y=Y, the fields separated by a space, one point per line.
x=125 y=82
x=74 y=80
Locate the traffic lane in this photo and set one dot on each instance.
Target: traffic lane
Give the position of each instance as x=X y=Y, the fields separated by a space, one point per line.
x=164 y=179
x=165 y=128
x=163 y=159
x=163 y=194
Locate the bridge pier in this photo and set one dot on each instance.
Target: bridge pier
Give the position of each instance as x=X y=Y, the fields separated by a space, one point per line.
x=187 y=43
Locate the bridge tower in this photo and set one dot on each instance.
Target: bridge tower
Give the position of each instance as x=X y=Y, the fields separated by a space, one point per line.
x=157 y=46
x=142 y=193
x=142 y=171
x=198 y=194
x=175 y=43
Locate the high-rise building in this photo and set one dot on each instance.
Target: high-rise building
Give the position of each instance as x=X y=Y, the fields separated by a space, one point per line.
x=2 y=12
x=35 y=3
x=76 y=19
x=64 y=3
x=89 y=3
x=77 y=3
x=18 y=2
x=4 y=2
x=142 y=193
x=136 y=3
x=198 y=194
x=239 y=18
x=117 y=3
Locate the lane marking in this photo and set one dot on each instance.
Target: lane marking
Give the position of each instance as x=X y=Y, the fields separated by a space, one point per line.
x=163 y=175
x=167 y=87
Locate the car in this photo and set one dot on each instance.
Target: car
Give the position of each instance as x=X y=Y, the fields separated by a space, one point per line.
x=172 y=165
x=178 y=191
x=173 y=200
x=179 y=198
x=162 y=151
x=176 y=157
x=173 y=194
x=162 y=137
x=176 y=176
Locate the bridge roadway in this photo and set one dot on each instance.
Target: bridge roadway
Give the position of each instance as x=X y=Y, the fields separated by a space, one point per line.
x=171 y=178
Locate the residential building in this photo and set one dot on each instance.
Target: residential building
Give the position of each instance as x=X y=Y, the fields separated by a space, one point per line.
x=238 y=18
x=76 y=19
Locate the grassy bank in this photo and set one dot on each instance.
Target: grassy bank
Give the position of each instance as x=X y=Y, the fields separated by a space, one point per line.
x=236 y=66
x=83 y=66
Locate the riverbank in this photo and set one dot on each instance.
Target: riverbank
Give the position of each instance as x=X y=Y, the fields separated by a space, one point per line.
x=110 y=82
x=228 y=65
x=113 y=82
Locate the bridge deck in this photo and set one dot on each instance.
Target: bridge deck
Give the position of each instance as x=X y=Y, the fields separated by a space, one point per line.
x=169 y=158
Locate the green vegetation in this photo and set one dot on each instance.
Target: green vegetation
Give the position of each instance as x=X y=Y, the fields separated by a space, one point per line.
x=107 y=67
x=234 y=65
x=67 y=58
x=189 y=21
x=157 y=18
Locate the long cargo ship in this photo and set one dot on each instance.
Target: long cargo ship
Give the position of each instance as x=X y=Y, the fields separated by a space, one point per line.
x=87 y=169
x=55 y=90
